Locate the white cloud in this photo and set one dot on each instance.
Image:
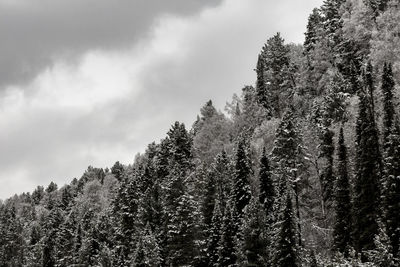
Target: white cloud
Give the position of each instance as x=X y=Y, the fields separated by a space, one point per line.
x=108 y=105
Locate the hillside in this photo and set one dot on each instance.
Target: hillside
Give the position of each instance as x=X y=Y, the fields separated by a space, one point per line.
x=302 y=169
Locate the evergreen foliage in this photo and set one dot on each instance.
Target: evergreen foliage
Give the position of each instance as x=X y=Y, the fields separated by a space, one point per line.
x=342 y=226
x=200 y=198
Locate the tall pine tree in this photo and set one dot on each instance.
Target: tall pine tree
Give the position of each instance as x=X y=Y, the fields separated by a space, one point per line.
x=342 y=226
x=242 y=192
x=392 y=187
x=286 y=254
x=368 y=164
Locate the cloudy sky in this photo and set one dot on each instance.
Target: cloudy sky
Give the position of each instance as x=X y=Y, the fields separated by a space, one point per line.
x=90 y=82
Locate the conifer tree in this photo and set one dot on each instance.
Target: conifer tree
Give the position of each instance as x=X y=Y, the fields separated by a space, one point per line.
x=367 y=180
x=66 y=241
x=332 y=21
x=342 y=226
x=209 y=199
x=288 y=157
x=267 y=189
x=261 y=89
x=182 y=232
x=392 y=187
x=242 y=193
x=125 y=211
x=326 y=151
x=48 y=259
x=286 y=250
x=227 y=243
x=147 y=252
x=252 y=247
x=277 y=78
x=214 y=235
x=388 y=108
x=222 y=169
x=117 y=170
x=312 y=34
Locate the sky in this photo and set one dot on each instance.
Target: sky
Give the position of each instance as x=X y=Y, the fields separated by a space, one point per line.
x=92 y=82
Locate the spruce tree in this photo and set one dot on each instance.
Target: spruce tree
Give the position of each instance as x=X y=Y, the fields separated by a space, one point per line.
x=209 y=199
x=312 y=34
x=253 y=250
x=277 y=78
x=342 y=226
x=261 y=89
x=388 y=107
x=223 y=173
x=214 y=236
x=332 y=21
x=367 y=180
x=288 y=157
x=286 y=250
x=267 y=189
x=392 y=187
x=227 y=243
x=326 y=151
x=243 y=171
x=147 y=252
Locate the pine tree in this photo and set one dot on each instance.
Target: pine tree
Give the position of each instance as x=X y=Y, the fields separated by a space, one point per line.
x=242 y=193
x=286 y=250
x=326 y=151
x=261 y=89
x=392 y=187
x=178 y=216
x=180 y=146
x=313 y=27
x=48 y=252
x=267 y=189
x=66 y=241
x=388 y=108
x=117 y=170
x=209 y=199
x=147 y=252
x=367 y=180
x=227 y=243
x=288 y=157
x=214 y=236
x=342 y=226
x=181 y=232
x=332 y=21
x=223 y=173
x=125 y=212
x=11 y=240
x=252 y=247
x=276 y=60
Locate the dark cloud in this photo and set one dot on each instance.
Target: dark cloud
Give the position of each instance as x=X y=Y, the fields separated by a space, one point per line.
x=129 y=83
x=34 y=33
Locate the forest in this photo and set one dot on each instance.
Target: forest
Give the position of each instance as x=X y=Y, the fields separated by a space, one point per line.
x=301 y=169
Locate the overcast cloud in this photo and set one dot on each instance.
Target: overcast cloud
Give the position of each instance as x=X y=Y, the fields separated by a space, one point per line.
x=90 y=82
